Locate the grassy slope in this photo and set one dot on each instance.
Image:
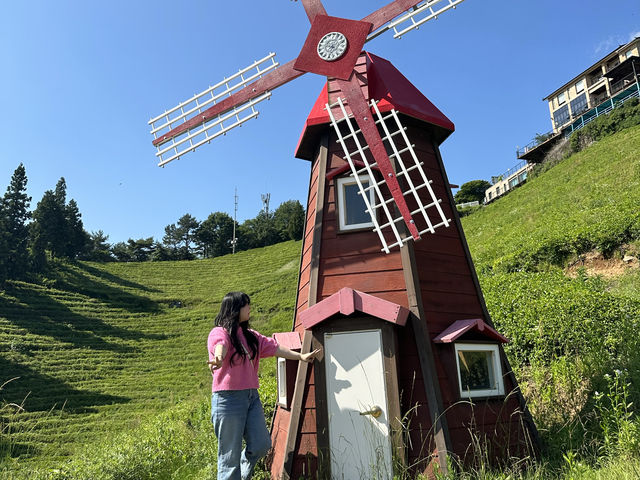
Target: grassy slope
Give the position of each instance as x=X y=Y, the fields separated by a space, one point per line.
x=589 y=201
x=104 y=344
x=106 y=338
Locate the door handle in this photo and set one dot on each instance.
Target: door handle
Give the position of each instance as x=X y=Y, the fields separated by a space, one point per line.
x=375 y=412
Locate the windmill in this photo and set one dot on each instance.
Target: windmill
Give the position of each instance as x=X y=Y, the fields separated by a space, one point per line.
x=403 y=324
x=331 y=48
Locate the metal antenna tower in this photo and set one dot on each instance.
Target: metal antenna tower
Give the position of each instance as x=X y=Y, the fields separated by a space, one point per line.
x=234 y=241
x=265 y=200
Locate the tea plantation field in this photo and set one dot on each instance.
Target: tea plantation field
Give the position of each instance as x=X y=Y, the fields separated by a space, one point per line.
x=97 y=348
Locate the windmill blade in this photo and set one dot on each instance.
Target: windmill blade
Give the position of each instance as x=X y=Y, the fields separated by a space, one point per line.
x=427 y=210
x=362 y=114
x=218 y=109
x=313 y=8
x=390 y=17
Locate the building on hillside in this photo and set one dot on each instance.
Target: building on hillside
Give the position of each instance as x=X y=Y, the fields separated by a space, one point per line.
x=506 y=182
x=597 y=90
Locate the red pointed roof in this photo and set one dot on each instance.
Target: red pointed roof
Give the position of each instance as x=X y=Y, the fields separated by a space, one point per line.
x=386 y=84
x=460 y=327
x=347 y=301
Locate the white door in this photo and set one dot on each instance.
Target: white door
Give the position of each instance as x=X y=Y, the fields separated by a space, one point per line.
x=359 y=440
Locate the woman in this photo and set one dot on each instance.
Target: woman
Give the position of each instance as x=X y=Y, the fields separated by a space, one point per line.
x=236 y=412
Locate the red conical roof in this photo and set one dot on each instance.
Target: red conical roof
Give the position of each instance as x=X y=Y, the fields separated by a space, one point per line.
x=386 y=84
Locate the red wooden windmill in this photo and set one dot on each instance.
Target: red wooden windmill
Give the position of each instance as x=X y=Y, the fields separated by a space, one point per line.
x=412 y=366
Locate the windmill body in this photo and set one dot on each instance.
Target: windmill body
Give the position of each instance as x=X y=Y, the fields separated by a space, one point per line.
x=410 y=299
x=412 y=366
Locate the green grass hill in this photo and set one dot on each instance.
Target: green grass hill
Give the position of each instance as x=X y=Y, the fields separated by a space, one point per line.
x=97 y=348
x=105 y=363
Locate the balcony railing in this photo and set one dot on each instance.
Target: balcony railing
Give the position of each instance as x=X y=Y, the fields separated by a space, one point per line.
x=622 y=83
x=632 y=91
x=539 y=140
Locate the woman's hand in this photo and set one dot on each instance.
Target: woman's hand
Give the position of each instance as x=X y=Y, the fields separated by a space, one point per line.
x=219 y=353
x=215 y=364
x=309 y=357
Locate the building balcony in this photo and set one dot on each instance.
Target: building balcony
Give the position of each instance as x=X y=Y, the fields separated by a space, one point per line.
x=597 y=85
x=628 y=92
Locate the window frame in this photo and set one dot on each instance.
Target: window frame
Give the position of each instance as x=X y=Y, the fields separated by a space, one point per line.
x=582 y=85
x=281 y=381
x=341 y=207
x=561 y=99
x=494 y=348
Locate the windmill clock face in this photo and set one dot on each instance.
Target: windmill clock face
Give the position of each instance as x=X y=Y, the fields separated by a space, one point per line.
x=332 y=46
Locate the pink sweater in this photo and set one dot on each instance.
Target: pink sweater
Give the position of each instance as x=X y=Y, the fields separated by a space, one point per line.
x=242 y=375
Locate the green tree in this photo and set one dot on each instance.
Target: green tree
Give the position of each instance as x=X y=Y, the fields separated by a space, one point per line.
x=171 y=241
x=258 y=232
x=471 y=191
x=98 y=248
x=161 y=253
x=77 y=239
x=49 y=227
x=121 y=252
x=4 y=246
x=142 y=249
x=214 y=235
x=288 y=220
x=15 y=231
x=186 y=230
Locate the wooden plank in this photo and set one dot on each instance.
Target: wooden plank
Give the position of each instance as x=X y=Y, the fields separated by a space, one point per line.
x=317 y=233
x=296 y=407
x=311 y=295
x=366 y=282
x=361 y=263
x=390 y=346
x=439 y=244
x=356 y=244
x=321 y=397
x=447 y=282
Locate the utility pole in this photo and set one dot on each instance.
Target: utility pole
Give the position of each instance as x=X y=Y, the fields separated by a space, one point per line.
x=235 y=215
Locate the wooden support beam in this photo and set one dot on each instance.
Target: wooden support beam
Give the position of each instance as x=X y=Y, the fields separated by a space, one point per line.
x=301 y=377
x=425 y=355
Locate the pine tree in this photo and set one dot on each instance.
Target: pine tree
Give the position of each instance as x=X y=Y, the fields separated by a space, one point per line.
x=214 y=235
x=4 y=245
x=98 y=249
x=77 y=240
x=49 y=228
x=15 y=215
x=289 y=220
x=187 y=227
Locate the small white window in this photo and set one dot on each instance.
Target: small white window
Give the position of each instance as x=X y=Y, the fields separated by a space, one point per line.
x=282 y=382
x=562 y=98
x=628 y=54
x=479 y=370
x=352 y=210
x=580 y=86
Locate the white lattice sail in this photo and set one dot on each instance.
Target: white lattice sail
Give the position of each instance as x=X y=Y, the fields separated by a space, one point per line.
x=191 y=139
x=418 y=15
x=427 y=214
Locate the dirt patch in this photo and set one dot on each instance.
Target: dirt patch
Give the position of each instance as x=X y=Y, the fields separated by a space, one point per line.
x=594 y=263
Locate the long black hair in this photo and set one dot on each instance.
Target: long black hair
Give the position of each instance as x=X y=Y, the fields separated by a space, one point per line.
x=229 y=319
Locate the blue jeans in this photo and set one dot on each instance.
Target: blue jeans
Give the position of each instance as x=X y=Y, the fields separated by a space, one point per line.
x=238 y=414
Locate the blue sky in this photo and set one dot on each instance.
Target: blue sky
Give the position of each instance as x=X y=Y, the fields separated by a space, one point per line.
x=81 y=79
